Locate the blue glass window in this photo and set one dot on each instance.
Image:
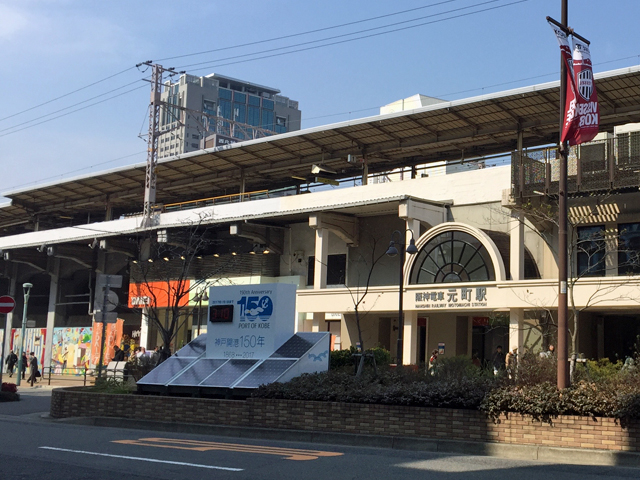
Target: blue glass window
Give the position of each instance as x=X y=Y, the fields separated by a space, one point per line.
x=224 y=93
x=209 y=107
x=591 y=251
x=267 y=104
x=281 y=125
x=253 y=117
x=240 y=112
x=267 y=119
x=224 y=110
x=253 y=100
x=239 y=97
x=628 y=248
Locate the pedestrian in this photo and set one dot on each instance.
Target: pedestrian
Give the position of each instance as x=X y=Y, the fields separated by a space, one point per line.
x=155 y=356
x=11 y=361
x=549 y=353
x=511 y=361
x=25 y=361
x=498 y=360
x=433 y=362
x=475 y=359
x=118 y=355
x=33 y=369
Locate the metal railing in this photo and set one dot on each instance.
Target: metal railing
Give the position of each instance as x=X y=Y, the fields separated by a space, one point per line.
x=70 y=375
x=600 y=166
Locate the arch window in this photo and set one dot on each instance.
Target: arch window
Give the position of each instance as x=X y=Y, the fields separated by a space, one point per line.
x=452 y=257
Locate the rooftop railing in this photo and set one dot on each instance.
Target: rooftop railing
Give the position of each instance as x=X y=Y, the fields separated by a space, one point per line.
x=606 y=165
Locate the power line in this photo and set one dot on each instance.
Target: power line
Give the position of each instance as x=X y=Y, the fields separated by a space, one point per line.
x=343 y=35
x=67 y=108
x=73 y=111
x=364 y=36
x=66 y=94
x=259 y=42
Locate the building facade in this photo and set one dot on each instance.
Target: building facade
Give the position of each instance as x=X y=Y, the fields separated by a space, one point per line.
x=221 y=109
x=485 y=272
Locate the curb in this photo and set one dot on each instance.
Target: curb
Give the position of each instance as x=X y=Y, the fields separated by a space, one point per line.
x=575 y=456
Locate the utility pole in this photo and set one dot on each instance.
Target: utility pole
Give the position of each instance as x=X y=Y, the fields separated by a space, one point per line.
x=152 y=144
x=563 y=340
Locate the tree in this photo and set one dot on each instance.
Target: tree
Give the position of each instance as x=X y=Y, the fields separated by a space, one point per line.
x=588 y=246
x=364 y=268
x=171 y=265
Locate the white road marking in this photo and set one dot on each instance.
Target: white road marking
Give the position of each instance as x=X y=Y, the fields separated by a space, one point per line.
x=212 y=467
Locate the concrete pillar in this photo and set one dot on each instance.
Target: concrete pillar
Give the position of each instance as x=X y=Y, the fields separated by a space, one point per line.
x=144 y=329
x=516 y=246
x=318 y=322
x=410 y=339
x=413 y=225
x=51 y=313
x=321 y=258
x=516 y=328
x=8 y=324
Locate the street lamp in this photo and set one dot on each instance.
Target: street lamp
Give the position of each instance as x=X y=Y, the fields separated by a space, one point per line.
x=392 y=251
x=26 y=288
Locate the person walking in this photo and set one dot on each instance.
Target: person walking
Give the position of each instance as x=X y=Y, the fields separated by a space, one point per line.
x=433 y=362
x=25 y=361
x=498 y=360
x=33 y=369
x=11 y=361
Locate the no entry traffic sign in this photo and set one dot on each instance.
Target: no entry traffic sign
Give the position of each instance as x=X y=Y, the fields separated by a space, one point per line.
x=7 y=304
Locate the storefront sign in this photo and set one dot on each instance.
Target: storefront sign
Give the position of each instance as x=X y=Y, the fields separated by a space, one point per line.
x=249 y=321
x=473 y=297
x=158 y=294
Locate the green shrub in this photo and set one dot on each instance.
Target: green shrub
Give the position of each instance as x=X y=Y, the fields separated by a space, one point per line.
x=343 y=358
x=597 y=370
x=535 y=370
x=112 y=385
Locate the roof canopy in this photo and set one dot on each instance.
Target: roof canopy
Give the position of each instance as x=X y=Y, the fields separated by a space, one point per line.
x=467 y=128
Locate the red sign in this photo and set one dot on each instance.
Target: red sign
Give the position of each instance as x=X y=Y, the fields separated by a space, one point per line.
x=7 y=304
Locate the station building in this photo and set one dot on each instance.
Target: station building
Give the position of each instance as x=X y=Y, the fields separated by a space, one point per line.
x=485 y=273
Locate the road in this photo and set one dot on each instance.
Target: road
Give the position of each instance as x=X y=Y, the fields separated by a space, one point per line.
x=35 y=448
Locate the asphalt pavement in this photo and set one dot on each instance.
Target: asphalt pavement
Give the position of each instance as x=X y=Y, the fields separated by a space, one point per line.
x=32 y=446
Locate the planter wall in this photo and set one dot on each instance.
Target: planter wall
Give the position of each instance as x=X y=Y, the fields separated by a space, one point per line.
x=449 y=424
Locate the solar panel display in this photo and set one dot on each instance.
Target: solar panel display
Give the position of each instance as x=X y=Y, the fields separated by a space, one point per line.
x=267 y=372
x=297 y=345
x=229 y=373
x=165 y=371
x=197 y=372
x=194 y=348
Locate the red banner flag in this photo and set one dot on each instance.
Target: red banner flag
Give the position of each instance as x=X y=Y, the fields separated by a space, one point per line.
x=587 y=110
x=568 y=126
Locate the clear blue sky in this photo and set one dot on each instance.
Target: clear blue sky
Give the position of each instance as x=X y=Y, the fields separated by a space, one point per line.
x=53 y=47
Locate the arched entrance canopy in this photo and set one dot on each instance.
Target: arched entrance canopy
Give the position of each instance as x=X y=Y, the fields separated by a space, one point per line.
x=455 y=253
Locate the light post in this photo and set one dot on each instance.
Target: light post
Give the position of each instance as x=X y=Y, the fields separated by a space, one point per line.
x=26 y=287
x=203 y=296
x=392 y=251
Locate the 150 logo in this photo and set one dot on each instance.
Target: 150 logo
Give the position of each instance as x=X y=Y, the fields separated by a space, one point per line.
x=253 y=308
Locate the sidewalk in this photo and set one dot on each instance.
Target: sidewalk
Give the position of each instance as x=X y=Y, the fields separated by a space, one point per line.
x=54 y=382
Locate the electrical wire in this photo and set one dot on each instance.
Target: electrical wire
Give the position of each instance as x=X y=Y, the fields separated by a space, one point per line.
x=342 y=35
x=260 y=42
x=73 y=111
x=67 y=108
x=66 y=94
x=360 y=38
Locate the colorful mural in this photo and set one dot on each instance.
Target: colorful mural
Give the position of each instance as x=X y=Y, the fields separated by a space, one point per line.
x=34 y=341
x=70 y=350
x=113 y=337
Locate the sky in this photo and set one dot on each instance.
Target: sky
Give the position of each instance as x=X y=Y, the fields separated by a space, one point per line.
x=74 y=102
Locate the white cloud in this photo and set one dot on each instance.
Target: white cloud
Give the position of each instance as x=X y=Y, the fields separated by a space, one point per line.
x=12 y=21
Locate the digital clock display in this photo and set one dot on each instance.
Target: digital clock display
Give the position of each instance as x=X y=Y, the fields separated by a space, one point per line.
x=221 y=313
